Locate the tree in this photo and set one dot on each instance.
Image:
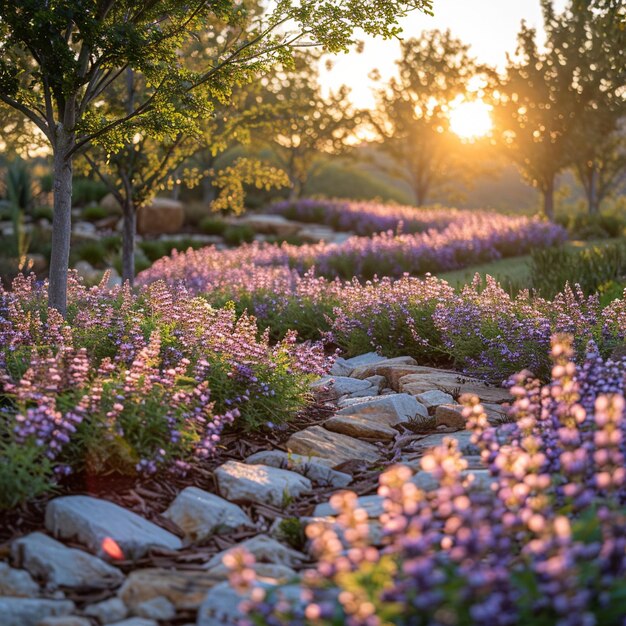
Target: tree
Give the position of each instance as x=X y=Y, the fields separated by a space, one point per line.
x=306 y=124
x=57 y=59
x=561 y=108
x=590 y=40
x=412 y=120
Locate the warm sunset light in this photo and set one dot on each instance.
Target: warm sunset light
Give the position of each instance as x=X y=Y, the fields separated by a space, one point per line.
x=471 y=119
x=112 y=549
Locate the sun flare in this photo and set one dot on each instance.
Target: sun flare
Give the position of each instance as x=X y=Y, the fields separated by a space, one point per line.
x=470 y=120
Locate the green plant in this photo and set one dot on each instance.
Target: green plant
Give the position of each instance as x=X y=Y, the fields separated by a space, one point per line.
x=86 y=191
x=91 y=251
x=211 y=225
x=291 y=530
x=237 y=234
x=94 y=212
x=591 y=268
x=43 y=213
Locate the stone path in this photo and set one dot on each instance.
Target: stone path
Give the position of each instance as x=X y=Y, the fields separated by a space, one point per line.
x=383 y=407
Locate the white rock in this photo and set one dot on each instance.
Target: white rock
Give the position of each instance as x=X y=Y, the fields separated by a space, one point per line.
x=365 y=359
x=17 y=582
x=263 y=484
x=221 y=606
x=480 y=480
x=108 y=611
x=156 y=608
x=136 y=621
x=91 y=521
x=434 y=398
x=31 y=611
x=201 y=514
x=68 y=620
x=336 y=386
x=378 y=382
x=341 y=367
x=314 y=468
x=60 y=566
x=320 y=442
x=463 y=439
x=373 y=505
x=265 y=550
x=398 y=407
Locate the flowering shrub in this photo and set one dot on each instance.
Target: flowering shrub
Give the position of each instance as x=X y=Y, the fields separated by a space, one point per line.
x=468 y=239
x=545 y=545
x=133 y=382
x=365 y=217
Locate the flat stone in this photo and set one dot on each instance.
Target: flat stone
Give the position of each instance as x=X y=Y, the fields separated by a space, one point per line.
x=428 y=378
x=185 y=589
x=341 y=367
x=156 y=608
x=450 y=415
x=434 y=398
x=398 y=408
x=495 y=412
x=31 y=611
x=463 y=439
x=68 y=620
x=265 y=550
x=136 y=621
x=373 y=505
x=60 y=566
x=358 y=426
x=91 y=521
x=318 y=441
x=480 y=480
x=382 y=368
x=200 y=514
x=368 y=358
x=315 y=469
x=263 y=484
x=378 y=382
x=335 y=387
x=17 y=583
x=221 y=606
x=108 y=611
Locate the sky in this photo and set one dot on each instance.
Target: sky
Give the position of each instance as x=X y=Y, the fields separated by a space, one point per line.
x=489 y=26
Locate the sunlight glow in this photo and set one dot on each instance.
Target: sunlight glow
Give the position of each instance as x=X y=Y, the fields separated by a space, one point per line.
x=470 y=120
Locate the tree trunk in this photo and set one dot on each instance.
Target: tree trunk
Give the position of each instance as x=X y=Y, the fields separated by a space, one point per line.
x=593 y=200
x=548 y=200
x=208 y=190
x=128 y=242
x=62 y=219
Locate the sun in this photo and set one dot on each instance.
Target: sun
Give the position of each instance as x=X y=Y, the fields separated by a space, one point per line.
x=470 y=120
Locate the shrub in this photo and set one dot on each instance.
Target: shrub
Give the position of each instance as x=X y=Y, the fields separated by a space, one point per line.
x=544 y=545
x=235 y=235
x=553 y=268
x=94 y=212
x=211 y=225
x=43 y=213
x=133 y=383
x=586 y=226
x=87 y=191
x=93 y=252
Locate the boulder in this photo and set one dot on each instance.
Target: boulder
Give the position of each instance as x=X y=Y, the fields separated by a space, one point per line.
x=200 y=514
x=60 y=566
x=372 y=505
x=263 y=484
x=450 y=415
x=270 y=224
x=357 y=426
x=479 y=479
x=265 y=550
x=159 y=608
x=185 y=589
x=334 y=387
x=434 y=398
x=31 y=611
x=463 y=439
x=341 y=367
x=92 y=521
x=315 y=469
x=394 y=408
x=161 y=216
x=365 y=359
x=318 y=441
x=17 y=582
x=109 y=611
x=381 y=368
